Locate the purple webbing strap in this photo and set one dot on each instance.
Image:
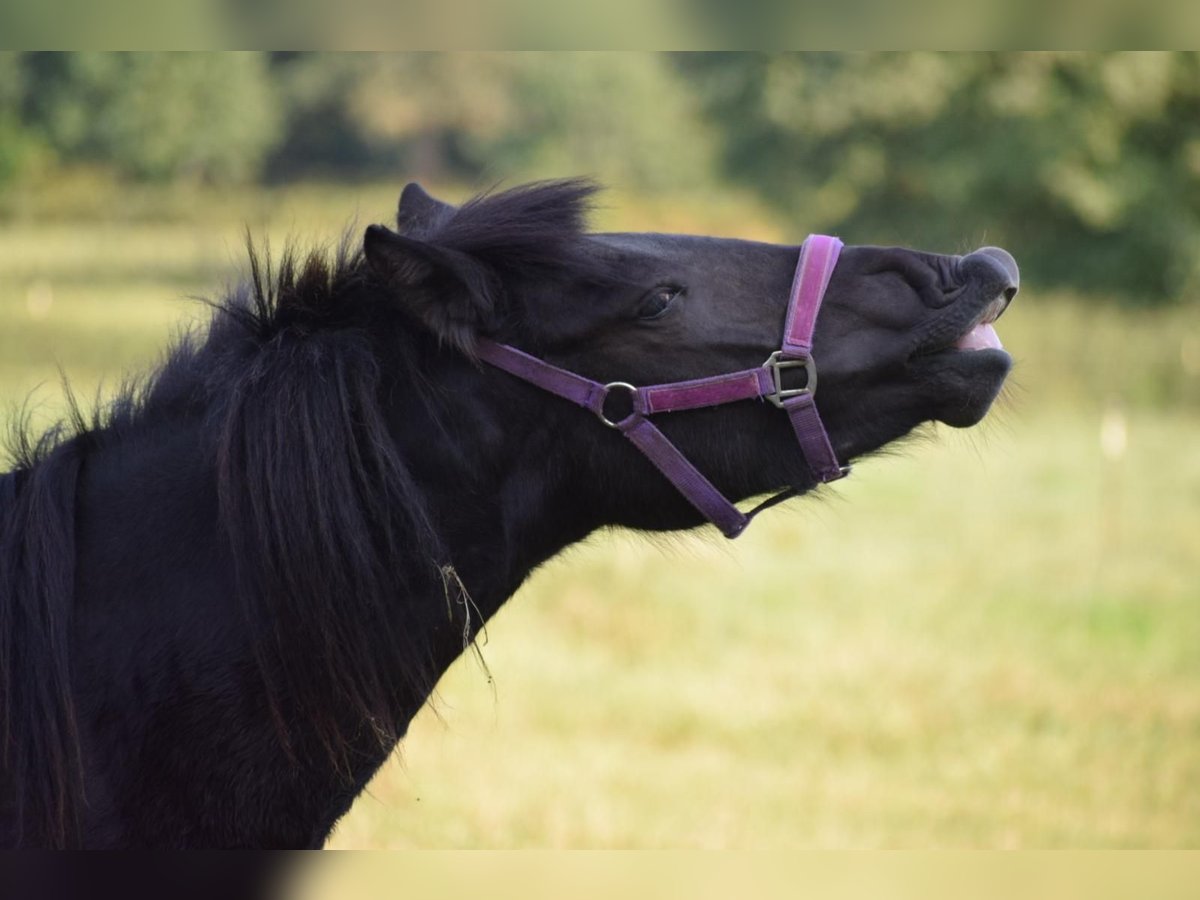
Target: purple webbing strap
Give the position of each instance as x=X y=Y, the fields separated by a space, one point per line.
x=579 y=390
x=813 y=439
x=698 y=393
x=679 y=470
x=818 y=257
x=701 y=392
x=655 y=446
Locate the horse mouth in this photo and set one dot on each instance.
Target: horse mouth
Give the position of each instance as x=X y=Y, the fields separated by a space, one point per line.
x=965 y=368
x=992 y=277
x=982 y=334
x=976 y=335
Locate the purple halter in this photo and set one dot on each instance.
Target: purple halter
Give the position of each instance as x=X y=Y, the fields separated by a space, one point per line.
x=818 y=256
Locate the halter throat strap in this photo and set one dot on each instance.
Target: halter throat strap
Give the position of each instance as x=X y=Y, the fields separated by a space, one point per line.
x=818 y=257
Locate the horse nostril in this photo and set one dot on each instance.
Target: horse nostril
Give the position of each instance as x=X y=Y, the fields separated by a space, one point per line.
x=997 y=264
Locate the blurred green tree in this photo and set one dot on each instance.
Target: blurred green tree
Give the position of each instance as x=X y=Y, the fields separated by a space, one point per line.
x=624 y=117
x=20 y=148
x=352 y=115
x=155 y=116
x=1086 y=165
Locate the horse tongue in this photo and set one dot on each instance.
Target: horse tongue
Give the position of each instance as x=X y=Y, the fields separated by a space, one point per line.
x=981 y=337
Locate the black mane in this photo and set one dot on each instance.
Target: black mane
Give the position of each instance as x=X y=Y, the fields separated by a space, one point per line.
x=322 y=520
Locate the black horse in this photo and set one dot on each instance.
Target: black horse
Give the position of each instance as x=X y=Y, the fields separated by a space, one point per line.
x=223 y=599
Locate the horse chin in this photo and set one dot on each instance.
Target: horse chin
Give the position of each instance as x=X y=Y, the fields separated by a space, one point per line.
x=965 y=383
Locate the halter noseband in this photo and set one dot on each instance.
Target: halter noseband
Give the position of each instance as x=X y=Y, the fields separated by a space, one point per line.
x=818 y=256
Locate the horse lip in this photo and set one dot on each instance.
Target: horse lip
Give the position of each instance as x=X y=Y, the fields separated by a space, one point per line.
x=989 y=313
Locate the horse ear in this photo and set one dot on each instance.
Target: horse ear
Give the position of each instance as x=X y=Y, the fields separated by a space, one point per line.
x=418 y=210
x=449 y=292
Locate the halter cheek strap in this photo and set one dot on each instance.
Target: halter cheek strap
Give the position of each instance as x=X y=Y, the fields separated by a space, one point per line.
x=818 y=257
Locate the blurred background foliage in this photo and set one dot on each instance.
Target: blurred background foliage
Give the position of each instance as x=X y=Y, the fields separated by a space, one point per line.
x=1086 y=164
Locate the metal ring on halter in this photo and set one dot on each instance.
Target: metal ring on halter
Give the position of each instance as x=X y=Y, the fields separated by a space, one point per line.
x=633 y=392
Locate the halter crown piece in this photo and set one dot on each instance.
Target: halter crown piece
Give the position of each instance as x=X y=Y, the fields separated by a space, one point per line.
x=818 y=256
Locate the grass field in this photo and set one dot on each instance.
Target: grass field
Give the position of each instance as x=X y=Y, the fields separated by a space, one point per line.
x=989 y=639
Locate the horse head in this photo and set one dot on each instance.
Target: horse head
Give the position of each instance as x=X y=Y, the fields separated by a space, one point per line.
x=902 y=337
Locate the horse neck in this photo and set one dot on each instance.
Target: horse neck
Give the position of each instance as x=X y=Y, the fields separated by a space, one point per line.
x=513 y=476
x=498 y=474
x=508 y=477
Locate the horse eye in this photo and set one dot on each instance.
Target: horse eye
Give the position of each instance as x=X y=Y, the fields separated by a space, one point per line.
x=657 y=302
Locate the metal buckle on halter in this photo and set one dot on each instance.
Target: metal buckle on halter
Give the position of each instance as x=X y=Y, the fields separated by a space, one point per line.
x=777 y=363
x=632 y=404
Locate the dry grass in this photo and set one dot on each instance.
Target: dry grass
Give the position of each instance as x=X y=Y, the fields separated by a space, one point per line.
x=955 y=652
